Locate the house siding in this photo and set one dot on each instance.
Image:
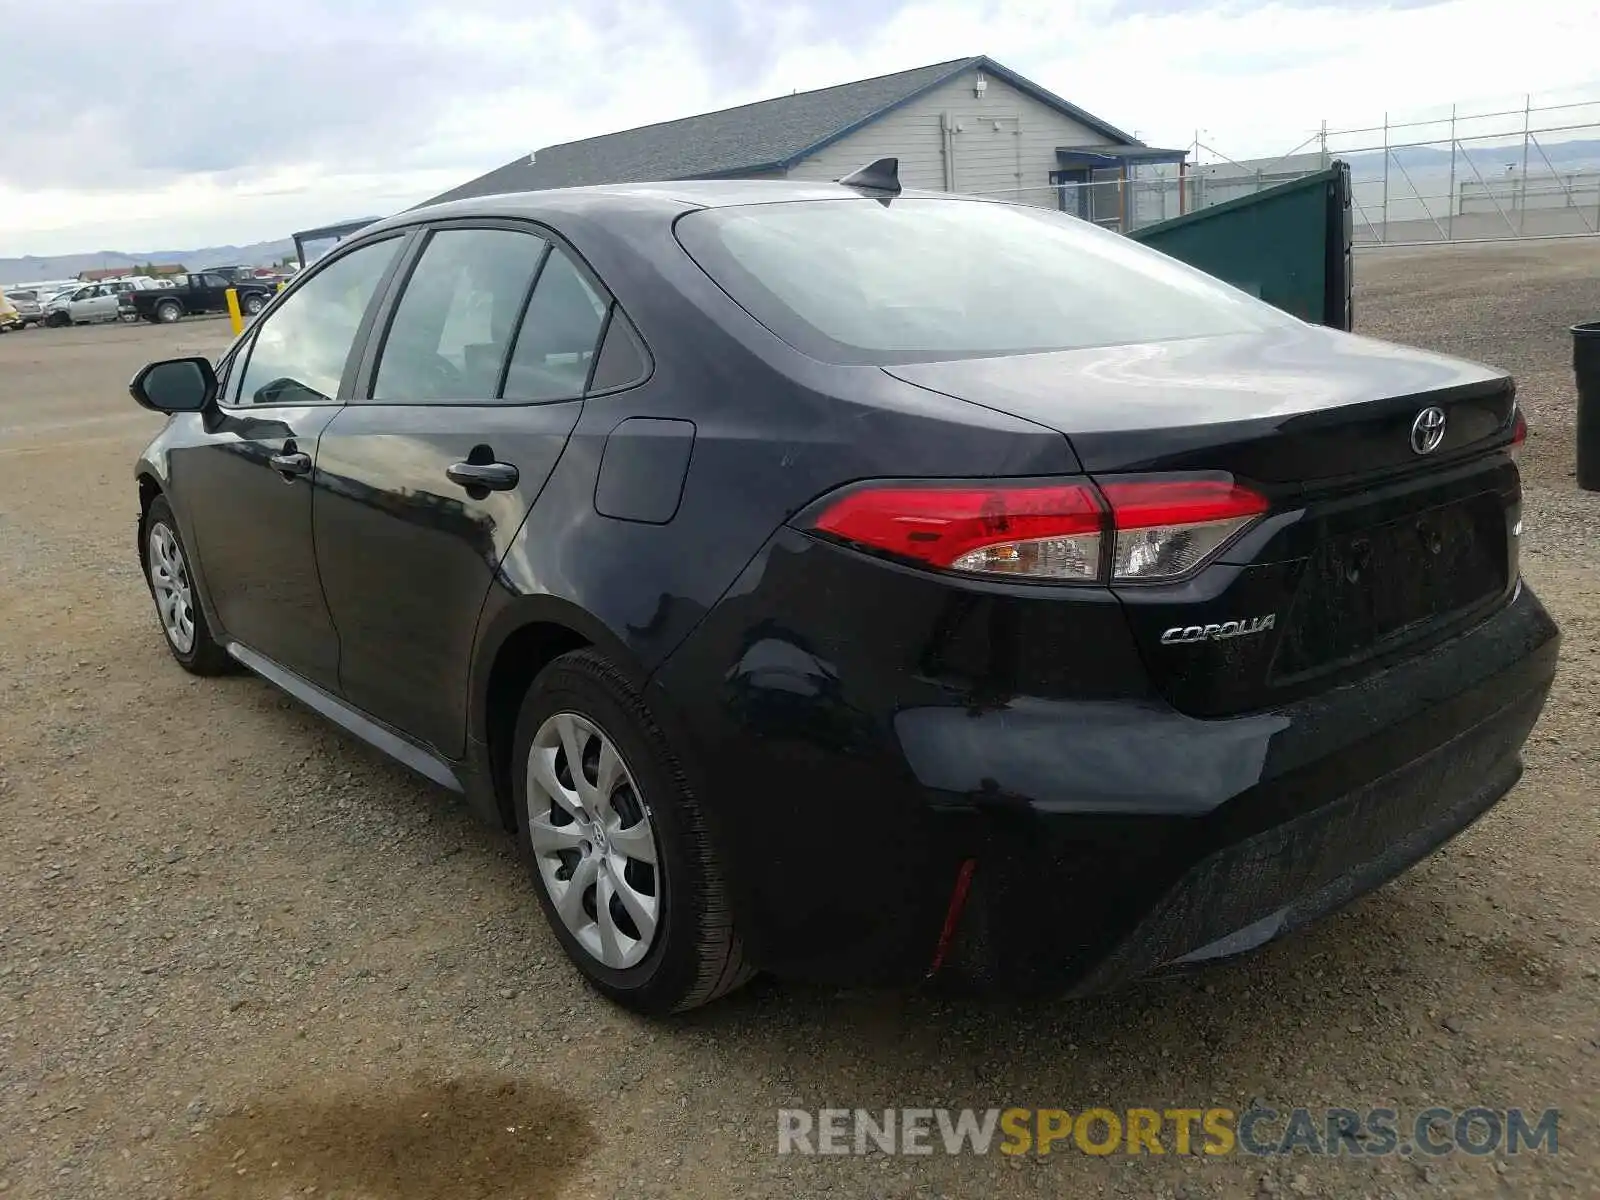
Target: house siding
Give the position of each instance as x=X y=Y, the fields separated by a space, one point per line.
x=1005 y=144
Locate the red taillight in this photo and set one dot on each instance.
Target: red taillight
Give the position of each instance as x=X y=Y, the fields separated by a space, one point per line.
x=1049 y=531
x=952 y=914
x=1519 y=429
x=1145 y=503
x=1163 y=528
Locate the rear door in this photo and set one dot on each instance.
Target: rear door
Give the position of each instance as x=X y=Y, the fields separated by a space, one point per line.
x=246 y=483
x=467 y=399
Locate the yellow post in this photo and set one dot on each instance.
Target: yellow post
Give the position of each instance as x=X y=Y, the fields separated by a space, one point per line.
x=281 y=283
x=234 y=314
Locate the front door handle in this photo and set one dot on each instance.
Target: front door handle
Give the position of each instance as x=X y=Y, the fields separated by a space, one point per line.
x=495 y=476
x=291 y=463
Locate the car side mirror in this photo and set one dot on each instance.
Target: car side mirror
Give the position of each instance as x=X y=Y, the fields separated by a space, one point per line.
x=175 y=385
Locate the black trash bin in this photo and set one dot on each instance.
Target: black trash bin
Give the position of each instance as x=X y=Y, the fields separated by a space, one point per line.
x=1586 y=366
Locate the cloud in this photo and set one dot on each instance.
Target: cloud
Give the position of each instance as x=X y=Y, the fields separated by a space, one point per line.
x=1241 y=7
x=143 y=123
x=101 y=94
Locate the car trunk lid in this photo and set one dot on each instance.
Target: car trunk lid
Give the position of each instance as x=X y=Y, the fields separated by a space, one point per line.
x=1386 y=532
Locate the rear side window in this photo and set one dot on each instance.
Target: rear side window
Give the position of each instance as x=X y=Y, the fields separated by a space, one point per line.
x=858 y=281
x=555 y=347
x=454 y=325
x=622 y=358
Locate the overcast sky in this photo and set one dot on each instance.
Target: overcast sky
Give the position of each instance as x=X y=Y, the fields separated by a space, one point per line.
x=156 y=124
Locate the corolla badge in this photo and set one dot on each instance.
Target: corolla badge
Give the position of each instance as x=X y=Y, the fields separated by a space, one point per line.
x=1427 y=431
x=1219 y=632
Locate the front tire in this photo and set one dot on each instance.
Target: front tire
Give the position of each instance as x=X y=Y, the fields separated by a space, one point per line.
x=616 y=843
x=253 y=305
x=183 y=621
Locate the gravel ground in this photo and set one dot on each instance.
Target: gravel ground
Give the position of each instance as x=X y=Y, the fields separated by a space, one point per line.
x=243 y=956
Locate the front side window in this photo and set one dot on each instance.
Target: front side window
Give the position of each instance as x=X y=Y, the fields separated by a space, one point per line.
x=856 y=281
x=455 y=321
x=300 y=350
x=556 y=344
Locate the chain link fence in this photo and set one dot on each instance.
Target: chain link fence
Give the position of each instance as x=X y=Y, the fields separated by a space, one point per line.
x=1484 y=171
x=1470 y=172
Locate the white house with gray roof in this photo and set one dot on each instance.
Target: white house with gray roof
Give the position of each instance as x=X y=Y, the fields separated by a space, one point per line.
x=968 y=125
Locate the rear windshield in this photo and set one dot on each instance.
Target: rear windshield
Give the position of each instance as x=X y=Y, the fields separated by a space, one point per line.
x=863 y=281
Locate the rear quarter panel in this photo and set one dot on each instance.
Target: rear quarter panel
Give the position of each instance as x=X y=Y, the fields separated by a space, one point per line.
x=773 y=430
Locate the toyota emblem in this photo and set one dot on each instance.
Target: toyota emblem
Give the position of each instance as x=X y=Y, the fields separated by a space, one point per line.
x=1427 y=431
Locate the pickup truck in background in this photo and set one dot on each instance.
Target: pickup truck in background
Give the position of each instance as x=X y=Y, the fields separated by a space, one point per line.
x=198 y=292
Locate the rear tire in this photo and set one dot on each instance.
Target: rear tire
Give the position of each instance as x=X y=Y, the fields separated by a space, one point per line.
x=691 y=955
x=168 y=311
x=166 y=571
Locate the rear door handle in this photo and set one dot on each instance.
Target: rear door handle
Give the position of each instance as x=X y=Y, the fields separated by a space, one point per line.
x=291 y=463
x=496 y=476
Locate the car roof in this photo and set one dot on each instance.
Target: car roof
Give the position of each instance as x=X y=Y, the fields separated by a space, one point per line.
x=669 y=198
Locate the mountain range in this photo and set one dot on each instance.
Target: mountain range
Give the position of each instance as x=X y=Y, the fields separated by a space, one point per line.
x=1577 y=154
x=66 y=266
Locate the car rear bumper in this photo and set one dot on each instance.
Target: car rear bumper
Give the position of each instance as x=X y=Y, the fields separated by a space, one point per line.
x=852 y=758
x=1228 y=883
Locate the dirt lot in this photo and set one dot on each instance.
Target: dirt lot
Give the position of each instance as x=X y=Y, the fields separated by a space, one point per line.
x=242 y=956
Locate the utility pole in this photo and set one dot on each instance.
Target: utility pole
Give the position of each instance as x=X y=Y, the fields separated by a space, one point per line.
x=1385 y=236
x=1522 y=203
x=1450 y=217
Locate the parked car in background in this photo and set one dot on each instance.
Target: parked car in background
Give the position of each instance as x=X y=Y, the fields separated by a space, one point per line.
x=863 y=586
x=45 y=289
x=29 y=309
x=92 y=302
x=197 y=292
x=9 y=317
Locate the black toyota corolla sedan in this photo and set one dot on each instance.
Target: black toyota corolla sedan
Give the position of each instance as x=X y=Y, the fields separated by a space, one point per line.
x=862 y=586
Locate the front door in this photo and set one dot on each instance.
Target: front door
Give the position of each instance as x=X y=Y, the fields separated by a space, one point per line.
x=422 y=485
x=256 y=464
x=1073 y=191
x=97 y=303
